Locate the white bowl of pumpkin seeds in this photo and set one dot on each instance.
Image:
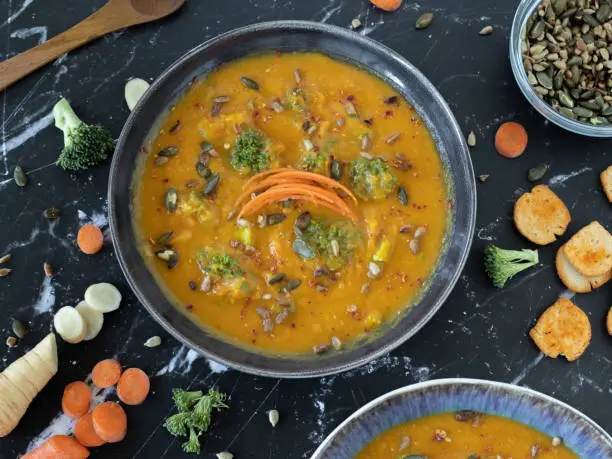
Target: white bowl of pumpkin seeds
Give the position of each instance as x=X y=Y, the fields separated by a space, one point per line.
x=561 y=57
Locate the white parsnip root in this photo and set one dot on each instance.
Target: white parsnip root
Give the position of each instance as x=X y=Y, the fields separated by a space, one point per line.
x=23 y=379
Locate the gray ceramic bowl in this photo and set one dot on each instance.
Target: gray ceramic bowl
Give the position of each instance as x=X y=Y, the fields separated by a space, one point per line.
x=546 y=414
x=290 y=36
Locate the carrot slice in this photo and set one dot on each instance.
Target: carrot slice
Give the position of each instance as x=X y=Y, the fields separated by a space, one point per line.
x=264 y=174
x=133 y=386
x=511 y=139
x=76 y=399
x=85 y=433
x=59 y=447
x=387 y=5
x=323 y=180
x=90 y=239
x=110 y=422
x=106 y=373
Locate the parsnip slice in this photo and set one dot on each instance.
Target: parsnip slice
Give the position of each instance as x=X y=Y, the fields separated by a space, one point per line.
x=103 y=297
x=93 y=318
x=133 y=91
x=70 y=325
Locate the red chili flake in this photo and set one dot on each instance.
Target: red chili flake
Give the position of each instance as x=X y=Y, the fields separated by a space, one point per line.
x=411 y=108
x=350 y=98
x=189 y=307
x=278 y=54
x=388 y=113
x=312 y=283
x=315 y=148
x=248 y=300
x=165 y=180
x=197 y=105
x=292 y=325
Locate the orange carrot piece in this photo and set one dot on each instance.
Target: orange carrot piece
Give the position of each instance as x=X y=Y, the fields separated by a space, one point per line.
x=110 y=422
x=264 y=174
x=85 y=433
x=59 y=447
x=133 y=386
x=511 y=139
x=387 y=5
x=90 y=239
x=76 y=399
x=106 y=373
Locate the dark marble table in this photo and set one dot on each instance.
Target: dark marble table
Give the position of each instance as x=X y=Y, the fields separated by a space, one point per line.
x=480 y=332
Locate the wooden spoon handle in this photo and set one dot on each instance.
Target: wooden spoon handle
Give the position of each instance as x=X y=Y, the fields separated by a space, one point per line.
x=106 y=19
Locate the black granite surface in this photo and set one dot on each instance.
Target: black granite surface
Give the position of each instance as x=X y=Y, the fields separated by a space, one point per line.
x=480 y=332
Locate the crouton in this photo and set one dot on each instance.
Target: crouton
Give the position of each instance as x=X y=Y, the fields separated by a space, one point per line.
x=606 y=182
x=575 y=281
x=590 y=250
x=541 y=216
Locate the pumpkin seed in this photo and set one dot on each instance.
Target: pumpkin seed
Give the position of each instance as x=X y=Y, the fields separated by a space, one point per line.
x=192 y=285
x=275 y=219
x=263 y=313
x=603 y=13
x=486 y=30
x=336 y=169
x=392 y=100
x=212 y=184
x=404 y=443
x=303 y=249
x=565 y=100
x=291 y=285
x=598 y=121
x=581 y=111
x=276 y=278
x=366 y=142
x=556 y=441
x=537 y=172
x=171 y=199
x=48 y=269
x=483 y=177
x=175 y=127
x=393 y=138
x=170 y=256
x=535 y=449
x=320 y=348
x=419 y=232
x=355 y=24
x=20 y=178
x=415 y=246
x=308 y=145
x=402 y=195
x=5 y=272
x=273 y=417
x=285 y=300
x=11 y=341
x=52 y=213
x=221 y=99
x=169 y=151
x=164 y=240
x=281 y=316
x=249 y=83
x=225 y=455
x=544 y=80
x=336 y=343
x=206 y=284
x=350 y=108
x=203 y=170
x=215 y=109
x=303 y=220
x=424 y=21
x=19 y=329
x=5 y=258
x=465 y=415
x=320 y=271
x=160 y=161
x=297 y=75
x=152 y=342
x=471 y=139
x=335 y=247
x=373 y=270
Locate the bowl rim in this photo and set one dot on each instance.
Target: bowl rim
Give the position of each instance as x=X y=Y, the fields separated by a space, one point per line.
x=249 y=367
x=464 y=382
x=524 y=9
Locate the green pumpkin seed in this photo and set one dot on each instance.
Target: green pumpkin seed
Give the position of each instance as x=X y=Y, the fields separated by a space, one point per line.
x=302 y=248
x=336 y=169
x=171 y=199
x=164 y=239
x=205 y=146
x=581 y=111
x=152 y=342
x=170 y=256
x=291 y=285
x=537 y=29
x=603 y=13
x=215 y=109
x=532 y=79
x=471 y=139
x=271 y=219
x=544 y=80
x=424 y=21
x=589 y=105
x=393 y=138
x=537 y=172
x=19 y=329
x=565 y=99
x=249 y=83
x=276 y=278
x=567 y=112
x=598 y=121
x=273 y=417
x=52 y=213
x=5 y=258
x=402 y=195
x=211 y=186
x=303 y=220
x=590 y=20
x=20 y=178
x=203 y=171
x=486 y=30
x=320 y=348
x=169 y=151
x=607 y=111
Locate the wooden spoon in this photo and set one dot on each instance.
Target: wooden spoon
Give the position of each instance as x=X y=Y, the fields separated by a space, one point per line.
x=115 y=15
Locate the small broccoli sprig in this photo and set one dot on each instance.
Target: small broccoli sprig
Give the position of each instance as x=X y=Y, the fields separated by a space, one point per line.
x=194 y=416
x=501 y=264
x=85 y=146
x=371 y=179
x=219 y=264
x=250 y=153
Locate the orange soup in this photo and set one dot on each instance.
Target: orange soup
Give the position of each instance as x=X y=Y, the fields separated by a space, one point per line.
x=465 y=435
x=292 y=203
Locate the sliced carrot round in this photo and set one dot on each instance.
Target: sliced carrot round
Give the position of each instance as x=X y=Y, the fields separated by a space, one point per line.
x=90 y=239
x=106 y=373
x=387 y=5
x=85 y=433
x=59 y=447
x=511 y=139
x=76 y=399
x=110 y=422
x=133 y=386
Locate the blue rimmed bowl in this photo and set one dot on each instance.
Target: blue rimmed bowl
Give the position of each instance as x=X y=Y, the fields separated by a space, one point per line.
x=546 y=414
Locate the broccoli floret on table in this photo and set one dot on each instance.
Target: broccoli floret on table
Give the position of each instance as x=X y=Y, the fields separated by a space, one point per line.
x=85 y=146
x=502 y=264
x=371 y=179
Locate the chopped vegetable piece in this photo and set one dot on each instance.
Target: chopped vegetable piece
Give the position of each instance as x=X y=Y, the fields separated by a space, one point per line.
x=85 y=433
x=59 y=446
x=322 y=238
x=133 y=386
x=511 y=139
x=90 y=239
x=502 y=264
x=371 y=179
x=76 y=399
x=110 y=422
x=70 y=325
x=194 y=416
x=387 y=5
x=94 y=320
x=134 y=90
x=250 y=155
x=103 y=297
x=84 y=146
x=106 y=373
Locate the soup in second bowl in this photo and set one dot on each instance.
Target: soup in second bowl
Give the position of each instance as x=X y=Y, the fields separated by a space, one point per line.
x=292 y=203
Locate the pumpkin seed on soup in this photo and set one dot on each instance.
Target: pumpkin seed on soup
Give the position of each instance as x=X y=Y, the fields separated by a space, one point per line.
x=249 y=83
x=171 y=199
